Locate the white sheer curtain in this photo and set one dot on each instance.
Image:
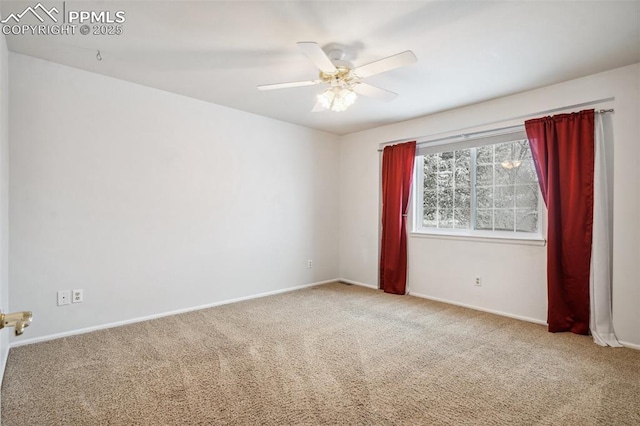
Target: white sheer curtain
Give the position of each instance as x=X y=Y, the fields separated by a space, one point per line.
x=601 y=321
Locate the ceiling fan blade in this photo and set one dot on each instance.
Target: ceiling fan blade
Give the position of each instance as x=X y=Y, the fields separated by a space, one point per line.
x=374 y=92
x=317 y=56
x=387 y=64
x=287 y=85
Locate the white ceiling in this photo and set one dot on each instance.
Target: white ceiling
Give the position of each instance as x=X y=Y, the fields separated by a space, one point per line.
x=468 y=51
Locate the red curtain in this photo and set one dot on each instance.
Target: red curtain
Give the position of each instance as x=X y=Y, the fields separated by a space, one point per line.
x=563 y=152
x=397 y=174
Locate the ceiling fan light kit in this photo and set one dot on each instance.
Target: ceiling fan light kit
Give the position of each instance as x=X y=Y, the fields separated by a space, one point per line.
x=340 y=95
x=344 y=79
x=337 y=99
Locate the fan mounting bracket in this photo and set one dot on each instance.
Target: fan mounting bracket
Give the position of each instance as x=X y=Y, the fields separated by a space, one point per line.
x=339 y=52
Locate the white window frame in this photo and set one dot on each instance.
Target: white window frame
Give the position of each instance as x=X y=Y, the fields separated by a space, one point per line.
x=532 y=238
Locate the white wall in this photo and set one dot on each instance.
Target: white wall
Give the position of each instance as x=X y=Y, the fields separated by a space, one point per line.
x=153 y=202
x=4 y=198
x=513 y=276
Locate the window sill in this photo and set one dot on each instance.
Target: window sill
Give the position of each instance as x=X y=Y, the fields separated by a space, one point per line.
x=527 y=241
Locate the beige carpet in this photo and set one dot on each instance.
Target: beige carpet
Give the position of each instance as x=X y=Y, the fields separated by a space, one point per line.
x=333 y=354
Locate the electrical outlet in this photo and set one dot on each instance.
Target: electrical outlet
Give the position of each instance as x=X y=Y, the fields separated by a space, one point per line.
x=309 y=263
x=76 y=296
x=478 y=281
x=64 y=297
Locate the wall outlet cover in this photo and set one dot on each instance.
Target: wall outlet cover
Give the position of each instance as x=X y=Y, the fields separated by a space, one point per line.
x=77 y=296
x=64 y=297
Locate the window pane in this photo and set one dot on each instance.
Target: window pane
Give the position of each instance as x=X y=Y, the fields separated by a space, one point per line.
x=445 y=199
x=484 y=155
x=484 y=198
x=430 y=171
x=445 y=218
x=462 y=168
x=526 y=173
x=526 y=220
x=429 y=197
x=504 y=152
x=484 y=219
x=462 y=218
x=462 y=209
x=527 y=196
x=447 y=155
x=484 y=175
x=429 y=179
x=463 y=197
x=503 y=220
x=429 y=218
x=522 y=150
x=504 y=197
x=504 y=176
x=445 y=173
x=429 y=203
x=431 y=163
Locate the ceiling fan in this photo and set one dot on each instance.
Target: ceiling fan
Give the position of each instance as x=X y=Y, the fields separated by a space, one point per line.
x=345 y=81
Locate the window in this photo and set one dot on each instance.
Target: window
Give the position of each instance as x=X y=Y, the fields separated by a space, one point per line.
x=489 y=190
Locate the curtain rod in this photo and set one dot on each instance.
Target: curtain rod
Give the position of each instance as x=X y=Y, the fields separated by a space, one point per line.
x=465 y=135
x=501 y=131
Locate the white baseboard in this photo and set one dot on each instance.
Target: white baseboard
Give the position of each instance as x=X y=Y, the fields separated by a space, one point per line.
x=5 y=354
x=630 y=345
x=477 y=308
x=161 y=315
x=346 y=281
x=504 y=314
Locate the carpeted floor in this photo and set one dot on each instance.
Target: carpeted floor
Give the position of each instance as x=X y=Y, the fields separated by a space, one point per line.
x=333 y=354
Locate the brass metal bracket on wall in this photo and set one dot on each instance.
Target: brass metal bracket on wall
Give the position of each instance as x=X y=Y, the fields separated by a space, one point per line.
x=19 y=320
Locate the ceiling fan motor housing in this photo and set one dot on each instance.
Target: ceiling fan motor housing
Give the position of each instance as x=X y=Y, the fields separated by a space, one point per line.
x=343 y=77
